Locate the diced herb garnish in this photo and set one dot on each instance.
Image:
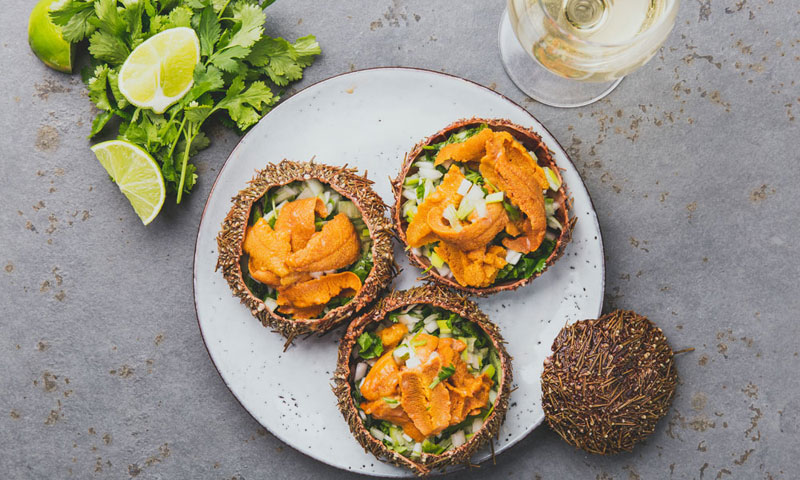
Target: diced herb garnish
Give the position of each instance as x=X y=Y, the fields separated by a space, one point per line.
x=430 y=447
x=443 y=375
x=530 y=264
x=370 y=345
x=363 y=266
x=514 y=213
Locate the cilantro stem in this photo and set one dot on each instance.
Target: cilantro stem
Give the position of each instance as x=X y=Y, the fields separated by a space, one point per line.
x=219 y=15
x=177 y=137
x=189 y=140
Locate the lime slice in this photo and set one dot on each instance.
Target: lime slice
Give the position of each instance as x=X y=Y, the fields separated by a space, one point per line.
x=46 y=41
x=160 y=71
x=136 y=174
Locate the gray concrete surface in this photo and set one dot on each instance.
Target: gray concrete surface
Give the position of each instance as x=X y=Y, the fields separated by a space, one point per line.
x=692 y=163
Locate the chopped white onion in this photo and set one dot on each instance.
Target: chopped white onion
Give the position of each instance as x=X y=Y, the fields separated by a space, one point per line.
x=512 y=256
x=481 y=210
x=377 y=433
x=552 y=179
x=413 y=362
x=361 y=370
x=459 y=438
x=407 y=438
x=407 y=320
x=349 y=209
x=431 y=174
x=475 y=193
x=430 y=327
x=416 y=251
x=417 y=449
x=315 y=186
x=444 y=270
x=429 y=188
x=452 y=217
x=492 y=396
x=284 y=193
x=362 y=415
x=410 y=193
x=464 y=187
x=550 y=236
x=371 y=362
x=477 y=424
x=553 y=223
x=410 y=207
x=306 y=192
x=271 y=304
x=495 y=197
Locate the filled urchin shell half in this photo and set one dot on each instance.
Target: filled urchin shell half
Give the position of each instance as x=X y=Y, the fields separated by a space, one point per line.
x=348 y=359
x=533 y=143
x=346 y=182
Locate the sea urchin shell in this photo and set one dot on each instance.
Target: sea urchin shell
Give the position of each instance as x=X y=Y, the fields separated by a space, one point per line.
x=341 y=179
x=533 y=143
x=441 y=297
x=608 y=382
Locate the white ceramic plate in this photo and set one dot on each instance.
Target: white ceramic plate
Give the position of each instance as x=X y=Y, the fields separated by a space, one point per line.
x=370 y=119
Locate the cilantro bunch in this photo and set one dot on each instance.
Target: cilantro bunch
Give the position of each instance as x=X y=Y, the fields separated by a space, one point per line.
x=233 y=82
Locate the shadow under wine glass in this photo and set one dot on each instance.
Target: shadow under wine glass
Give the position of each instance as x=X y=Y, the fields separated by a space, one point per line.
x=570 y=53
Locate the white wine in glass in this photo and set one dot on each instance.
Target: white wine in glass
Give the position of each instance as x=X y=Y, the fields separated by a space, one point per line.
x=581 y=48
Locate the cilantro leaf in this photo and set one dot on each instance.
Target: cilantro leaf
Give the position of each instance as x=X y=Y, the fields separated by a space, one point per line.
x=179 y=17
x=97 y=88
x=113 y=83
x=108 y=48
x=100 y=122
x=306 y=48
x=74 y=17
x=444 y=374
x=206 y=79
x=228 y=60
x=246 y=106
x=250 y=20
x=370 y=345
x=208 y=31
x=108 y=18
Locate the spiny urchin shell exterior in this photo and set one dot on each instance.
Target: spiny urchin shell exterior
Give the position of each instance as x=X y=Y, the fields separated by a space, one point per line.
x=608 y=382
x=346 y=182
x=441 y=297
x=533 y=142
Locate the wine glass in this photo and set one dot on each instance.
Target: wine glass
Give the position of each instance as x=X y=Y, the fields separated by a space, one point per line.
x=570 y=53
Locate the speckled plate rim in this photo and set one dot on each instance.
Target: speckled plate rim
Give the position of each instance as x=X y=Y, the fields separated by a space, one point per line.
x=552 y=143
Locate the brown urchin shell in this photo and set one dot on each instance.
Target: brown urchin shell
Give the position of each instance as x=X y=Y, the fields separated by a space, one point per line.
x=533 y=142
x=441 y=297
x=608 y=382
x=346 y=182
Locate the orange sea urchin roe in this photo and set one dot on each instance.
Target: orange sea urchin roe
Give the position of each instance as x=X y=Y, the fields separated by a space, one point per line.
x=419 y=410
x=506 y=166
x=285 y=257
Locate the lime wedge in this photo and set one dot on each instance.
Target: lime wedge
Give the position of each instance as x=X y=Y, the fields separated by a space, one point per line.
x=46 y=41
x=160 y=71
x=136 y=174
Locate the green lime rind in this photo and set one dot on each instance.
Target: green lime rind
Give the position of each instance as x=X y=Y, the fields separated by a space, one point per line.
x=46 y=40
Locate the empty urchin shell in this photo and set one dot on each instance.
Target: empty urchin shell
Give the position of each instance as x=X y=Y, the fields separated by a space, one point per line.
x=440 y=297
x=608 y=382
x=345 y=182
